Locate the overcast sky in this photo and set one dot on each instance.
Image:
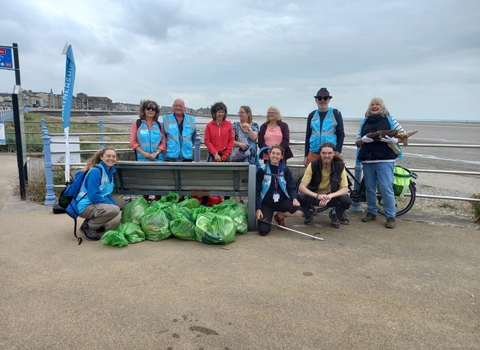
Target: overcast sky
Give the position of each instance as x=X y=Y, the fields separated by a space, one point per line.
x=422 y=57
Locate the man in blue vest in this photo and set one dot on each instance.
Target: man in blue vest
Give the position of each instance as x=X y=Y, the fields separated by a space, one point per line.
x=324 y=124
x=180 y=131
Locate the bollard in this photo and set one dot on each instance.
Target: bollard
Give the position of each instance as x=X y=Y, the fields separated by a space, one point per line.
x=356 y=206
x=47 y=161
x=101 y=134
x=197 y=148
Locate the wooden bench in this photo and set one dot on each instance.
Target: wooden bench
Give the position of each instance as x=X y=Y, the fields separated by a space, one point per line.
x=196 y=179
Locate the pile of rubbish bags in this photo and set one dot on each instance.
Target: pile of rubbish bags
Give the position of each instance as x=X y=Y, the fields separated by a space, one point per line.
x=185 y=219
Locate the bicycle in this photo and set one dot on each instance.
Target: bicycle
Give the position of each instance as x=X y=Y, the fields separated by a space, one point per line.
x=403 y=202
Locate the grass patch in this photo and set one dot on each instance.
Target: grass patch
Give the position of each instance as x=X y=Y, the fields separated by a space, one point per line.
x=476 y=208
x=33 y=130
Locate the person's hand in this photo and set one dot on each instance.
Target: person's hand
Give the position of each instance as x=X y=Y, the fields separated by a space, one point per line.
x=259 y=214
x=243 y=146
x=366 y=139
x=217 y=157
x=388 y=139
x=305 y=161
x=295 y=202
x=323 y=200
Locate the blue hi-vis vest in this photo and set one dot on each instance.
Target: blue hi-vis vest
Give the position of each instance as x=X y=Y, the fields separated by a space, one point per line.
x=267 y=180
x=392 y=126
x=327 y=134
x=177 y=142
x=149 y=140
x=106 y=188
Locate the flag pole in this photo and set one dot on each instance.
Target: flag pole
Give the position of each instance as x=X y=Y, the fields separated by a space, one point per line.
x=67 y=102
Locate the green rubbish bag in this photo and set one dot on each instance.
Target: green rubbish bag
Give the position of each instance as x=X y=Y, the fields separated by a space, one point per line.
x=133 y=211
x=237 y=211
x=113 y=238
x=211 y=228
x=155 y=226
x=182 y=227
x=132 y=232
x=190 y=203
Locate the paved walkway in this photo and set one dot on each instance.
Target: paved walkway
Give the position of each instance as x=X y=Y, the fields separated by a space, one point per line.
x=364 y=287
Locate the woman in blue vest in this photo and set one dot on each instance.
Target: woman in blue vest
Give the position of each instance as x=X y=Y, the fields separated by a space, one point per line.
x=147 y=138
x=95 y=203
x=378 y=160
x=275 y=192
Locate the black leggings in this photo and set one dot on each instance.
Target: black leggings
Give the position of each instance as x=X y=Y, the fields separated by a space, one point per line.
x=269 y=209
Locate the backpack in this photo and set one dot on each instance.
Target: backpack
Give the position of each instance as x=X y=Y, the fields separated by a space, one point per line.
x=67 y=199
x=139 y=122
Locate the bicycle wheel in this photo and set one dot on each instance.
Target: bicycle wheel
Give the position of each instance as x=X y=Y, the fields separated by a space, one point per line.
x=317 y=209
x=403 y=204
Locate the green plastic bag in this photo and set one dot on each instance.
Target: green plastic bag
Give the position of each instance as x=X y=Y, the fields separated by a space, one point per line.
x=182 y=227
x=215 y=229
x=133 y=211
x=237 y=211
x=171 y=197
x=190 y=203
x=132 y=232
x=155 y=226
x=113 y=238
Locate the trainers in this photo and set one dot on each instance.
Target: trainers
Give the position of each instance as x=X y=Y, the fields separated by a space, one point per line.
x=344 y=220
x=90 y=233
x=369 y=217
x=279 y=221
x=308 y=218
x=101 y=229
x=334 y=222
x=390 y=223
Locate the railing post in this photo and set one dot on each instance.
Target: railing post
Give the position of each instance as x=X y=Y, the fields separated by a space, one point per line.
x=356 y=206
x=47 y=159
x=101 y=133
x=197 y=148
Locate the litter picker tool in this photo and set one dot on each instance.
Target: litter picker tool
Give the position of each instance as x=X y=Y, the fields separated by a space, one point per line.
x=290 y=229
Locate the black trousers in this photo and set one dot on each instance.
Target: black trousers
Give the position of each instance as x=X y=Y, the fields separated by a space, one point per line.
x=340 y=204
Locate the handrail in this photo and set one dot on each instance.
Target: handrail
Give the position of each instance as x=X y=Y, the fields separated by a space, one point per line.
x=293 y=143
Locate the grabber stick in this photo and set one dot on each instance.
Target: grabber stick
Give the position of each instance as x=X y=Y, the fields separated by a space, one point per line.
x=291 y=229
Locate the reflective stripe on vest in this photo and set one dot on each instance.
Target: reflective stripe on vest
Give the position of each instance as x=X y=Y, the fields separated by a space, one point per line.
x=327 y=134
x=175 y=143
x=267 y=180
x=149 y=140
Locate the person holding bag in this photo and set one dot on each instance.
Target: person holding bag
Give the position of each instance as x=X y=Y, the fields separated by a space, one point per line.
x=246 y=134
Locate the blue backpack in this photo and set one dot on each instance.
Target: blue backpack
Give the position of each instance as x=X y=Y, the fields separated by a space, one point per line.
x=67 y=199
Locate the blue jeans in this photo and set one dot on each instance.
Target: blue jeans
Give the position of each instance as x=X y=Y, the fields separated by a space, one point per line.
x=381 y=175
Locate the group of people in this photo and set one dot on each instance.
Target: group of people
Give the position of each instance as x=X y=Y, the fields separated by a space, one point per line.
x=324 y=183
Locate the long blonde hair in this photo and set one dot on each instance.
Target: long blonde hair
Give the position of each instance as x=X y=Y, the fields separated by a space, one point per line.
x=96 y=158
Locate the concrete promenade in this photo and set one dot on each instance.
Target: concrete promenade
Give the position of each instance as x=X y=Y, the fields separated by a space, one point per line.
x=364 y=287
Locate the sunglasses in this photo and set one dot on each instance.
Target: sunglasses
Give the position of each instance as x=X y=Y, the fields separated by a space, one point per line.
x=325 y=98
x=150 y=109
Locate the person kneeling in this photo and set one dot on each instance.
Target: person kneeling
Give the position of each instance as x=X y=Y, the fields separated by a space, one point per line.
x=325 y=184
x=275 y=192
x=95 y=203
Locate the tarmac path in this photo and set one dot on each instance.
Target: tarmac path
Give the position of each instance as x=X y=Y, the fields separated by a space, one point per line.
x=364 y=287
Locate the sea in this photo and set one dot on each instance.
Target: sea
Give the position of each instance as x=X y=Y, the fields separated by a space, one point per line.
x=443 y=145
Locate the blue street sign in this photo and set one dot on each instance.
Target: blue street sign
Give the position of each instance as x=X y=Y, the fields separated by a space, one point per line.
x=6 y=60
